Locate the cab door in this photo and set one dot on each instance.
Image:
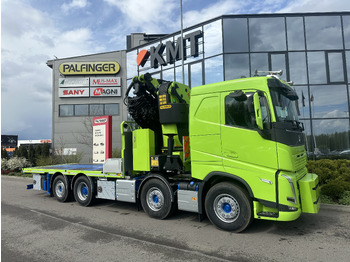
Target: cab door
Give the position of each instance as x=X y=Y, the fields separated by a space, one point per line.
x=245 y=152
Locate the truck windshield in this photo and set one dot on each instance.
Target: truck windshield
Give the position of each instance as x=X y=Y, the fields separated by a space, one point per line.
x=285 y=108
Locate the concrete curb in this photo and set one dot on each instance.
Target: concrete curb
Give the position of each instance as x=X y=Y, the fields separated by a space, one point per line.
x=339 y=208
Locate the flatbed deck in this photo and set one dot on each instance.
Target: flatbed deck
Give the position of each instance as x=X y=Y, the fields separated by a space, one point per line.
x=70 y=169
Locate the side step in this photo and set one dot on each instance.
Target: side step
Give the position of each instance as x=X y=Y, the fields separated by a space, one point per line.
x=268 y=214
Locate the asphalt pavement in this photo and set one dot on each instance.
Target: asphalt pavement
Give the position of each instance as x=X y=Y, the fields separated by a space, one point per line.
x=36 y=227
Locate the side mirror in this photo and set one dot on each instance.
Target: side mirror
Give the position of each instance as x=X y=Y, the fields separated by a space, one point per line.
x=257 y=109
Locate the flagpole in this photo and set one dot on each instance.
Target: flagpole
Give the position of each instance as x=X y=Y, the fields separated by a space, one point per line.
x=182 y=45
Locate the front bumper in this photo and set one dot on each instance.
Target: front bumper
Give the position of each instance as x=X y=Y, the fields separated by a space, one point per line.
x=309 y=191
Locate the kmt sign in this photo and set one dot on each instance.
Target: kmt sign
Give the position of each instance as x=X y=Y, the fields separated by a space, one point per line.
x=173 y=51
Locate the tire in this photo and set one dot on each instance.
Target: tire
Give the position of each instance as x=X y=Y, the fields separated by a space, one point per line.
x=228 y=207
x=60 y=189
x=156 y=199
x=83 y=191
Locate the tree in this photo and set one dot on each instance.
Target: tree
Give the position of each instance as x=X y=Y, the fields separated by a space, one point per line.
x=23 y=151
x=16 y=152
x=31 y=154
x=38 y=151
x=4 y=153
x=46 y=150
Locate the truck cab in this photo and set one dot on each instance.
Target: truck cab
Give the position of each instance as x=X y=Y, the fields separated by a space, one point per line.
x=247 y=132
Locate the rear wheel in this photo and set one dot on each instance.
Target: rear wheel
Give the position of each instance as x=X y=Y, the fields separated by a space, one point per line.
x=83 y=191
x=60 y=189
x=156 y=199
x=228 y=207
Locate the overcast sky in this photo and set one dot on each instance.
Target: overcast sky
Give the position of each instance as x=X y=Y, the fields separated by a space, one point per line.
x=34 y=31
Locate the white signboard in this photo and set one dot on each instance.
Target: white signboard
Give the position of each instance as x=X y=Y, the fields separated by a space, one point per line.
x=105 y=91
x=102 y=139
x=73 y=82
x=73 y=92
x=105 y=81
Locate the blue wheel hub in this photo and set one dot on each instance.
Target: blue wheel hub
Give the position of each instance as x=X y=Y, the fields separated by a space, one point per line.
x=155 y=199
x=227 y=208
x=84 y=190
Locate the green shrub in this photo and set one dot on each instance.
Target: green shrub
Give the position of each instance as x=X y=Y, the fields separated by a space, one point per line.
x=345 y=199
x=335 y=189
x=326 y=200
x=330 y=170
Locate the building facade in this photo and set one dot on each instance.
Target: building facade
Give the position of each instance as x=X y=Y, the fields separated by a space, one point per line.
x=313 y=50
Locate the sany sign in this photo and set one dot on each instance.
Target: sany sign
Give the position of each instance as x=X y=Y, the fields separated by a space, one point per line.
x=73 y=92
x=173 y=52
x=105 y=91
x=102 y=139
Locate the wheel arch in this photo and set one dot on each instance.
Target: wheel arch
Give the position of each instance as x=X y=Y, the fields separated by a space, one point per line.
x=214 y=178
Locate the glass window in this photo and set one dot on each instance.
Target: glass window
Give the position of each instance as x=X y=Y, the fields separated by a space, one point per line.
x=178 y=74
x=323 y=32
x=302 y=104
x=236 y=66
x=168 y=75
x=213 y=39
x=214 y=70
x=278 y=62
x=235 y=35
x=267 y=34
x=196 y=74
x=295 y=33
x=258 y=62
x=131 y=64
x=96 y=110
x=81 y=110
x=237 y=113
x=66 y=110
x=329 y=101
x=317 y=68
x=111 y=109
x=347 y=53
x=331 y=137
x=297 y=67
x=307 y=132
x=346 y=28
x=335 y=67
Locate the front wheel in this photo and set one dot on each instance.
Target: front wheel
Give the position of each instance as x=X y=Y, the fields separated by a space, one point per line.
x=156 y=199
x=83 y=191
x=228 y=207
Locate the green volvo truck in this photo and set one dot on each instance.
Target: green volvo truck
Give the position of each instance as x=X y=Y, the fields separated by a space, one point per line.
x=233 y=151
